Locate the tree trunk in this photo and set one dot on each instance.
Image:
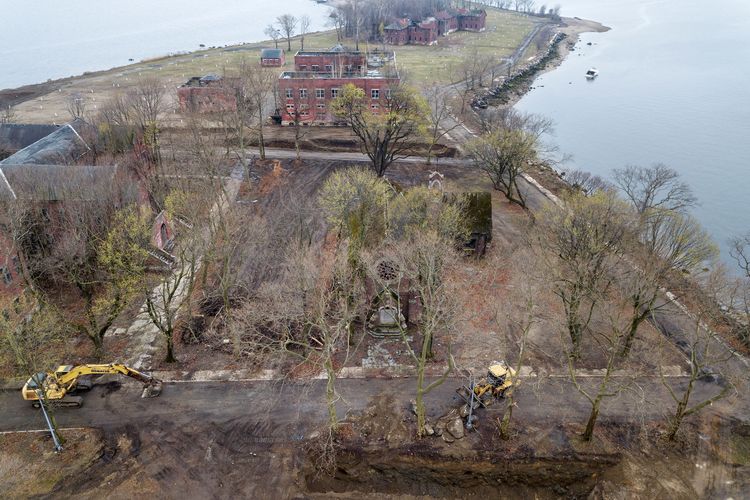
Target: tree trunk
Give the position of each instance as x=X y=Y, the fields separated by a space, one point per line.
x=676 y=422
x=505 y=424
x=170 y=348
x=634 y=323
x=261 y=145
x=589 y=432
x=333 y=420
x=420 y=408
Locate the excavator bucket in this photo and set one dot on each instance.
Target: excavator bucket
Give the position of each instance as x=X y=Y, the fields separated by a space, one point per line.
x=152 y=389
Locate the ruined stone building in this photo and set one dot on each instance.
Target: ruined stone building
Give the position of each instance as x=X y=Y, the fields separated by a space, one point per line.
x=207 y=94
x=427 y=31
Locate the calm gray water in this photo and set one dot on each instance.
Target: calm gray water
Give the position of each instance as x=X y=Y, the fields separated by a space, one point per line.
x=43 y=39
x=673 y=88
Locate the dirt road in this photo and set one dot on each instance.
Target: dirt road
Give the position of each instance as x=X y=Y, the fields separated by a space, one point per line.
x=286 y=411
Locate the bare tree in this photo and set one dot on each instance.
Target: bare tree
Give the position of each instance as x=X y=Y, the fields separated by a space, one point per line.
x=261 y=87
x=707 y=360
x=386 y=134
x=523 y=325
x=288 y=25
x=304 y=26
x=8 y=114
x=587 y=182
x=76 y=105
x=148 y=103
x=608 y=341
x=668 y=239
x=679 y=244
x=440 y=121
x=273 y=33
x=510 y=142
x=654 y=188
x=580 y=246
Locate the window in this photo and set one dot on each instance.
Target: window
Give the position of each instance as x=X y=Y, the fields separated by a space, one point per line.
x=303 y=93
x=334 y=93
x=320 y=93
x=304 y=113
x=289 y=94
x=375 y=93
x=387 y=93
x=359 y=69
x=290 y=108
x=374 y=107
x=329 y=68
x=315 y=67
x=321 y=106
x=6 y=275
x=303 y=67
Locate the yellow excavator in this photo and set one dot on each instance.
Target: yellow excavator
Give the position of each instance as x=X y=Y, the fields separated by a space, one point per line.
x=498 y=383
x=57 y=387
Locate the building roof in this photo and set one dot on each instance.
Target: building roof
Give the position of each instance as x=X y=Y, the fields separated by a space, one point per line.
x=271 y=53
x=336 y=49
x=15 y=136
x=472 y=12
x=64 y=145
x=34 y=182
x=444 y=15
x=399 y=24
x=429 y=23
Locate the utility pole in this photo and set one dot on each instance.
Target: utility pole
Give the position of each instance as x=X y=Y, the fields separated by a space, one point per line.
x=55 y=439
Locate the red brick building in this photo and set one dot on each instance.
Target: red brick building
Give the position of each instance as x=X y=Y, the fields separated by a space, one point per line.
x=397 y=33
x=272 y=58
x=306 y=93
x=472 y=20
x=447 y=22
x=424 y=33
x=427 y=32
x=208 y=94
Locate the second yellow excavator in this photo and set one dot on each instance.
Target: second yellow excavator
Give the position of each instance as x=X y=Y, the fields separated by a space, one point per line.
x=57 y=387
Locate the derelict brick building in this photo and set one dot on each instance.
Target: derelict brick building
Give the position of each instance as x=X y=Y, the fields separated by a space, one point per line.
x=306 y=92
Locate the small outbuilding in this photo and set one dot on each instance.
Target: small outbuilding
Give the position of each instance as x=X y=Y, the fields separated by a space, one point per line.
x=272 y=58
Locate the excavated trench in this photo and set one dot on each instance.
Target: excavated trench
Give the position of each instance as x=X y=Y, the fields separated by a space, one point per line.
x=428 y=473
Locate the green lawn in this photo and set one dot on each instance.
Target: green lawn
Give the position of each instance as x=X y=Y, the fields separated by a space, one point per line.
x=433 y=64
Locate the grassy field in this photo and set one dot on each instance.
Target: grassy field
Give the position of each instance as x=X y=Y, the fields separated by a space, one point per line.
x=421 y=65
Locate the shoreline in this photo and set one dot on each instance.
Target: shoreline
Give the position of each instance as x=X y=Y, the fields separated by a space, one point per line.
x=573 y=27
x=36 y=91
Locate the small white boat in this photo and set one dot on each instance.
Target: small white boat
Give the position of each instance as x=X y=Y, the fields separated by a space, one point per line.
x=592 y=73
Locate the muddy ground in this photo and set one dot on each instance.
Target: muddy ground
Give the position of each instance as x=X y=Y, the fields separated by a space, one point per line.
x=377 y=457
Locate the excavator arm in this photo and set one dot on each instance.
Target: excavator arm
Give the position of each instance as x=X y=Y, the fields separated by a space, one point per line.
x=57 y=385
x=103 y=369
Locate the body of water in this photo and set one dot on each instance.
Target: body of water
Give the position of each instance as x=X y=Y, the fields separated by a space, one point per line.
x=44 y=39
x=673 y=88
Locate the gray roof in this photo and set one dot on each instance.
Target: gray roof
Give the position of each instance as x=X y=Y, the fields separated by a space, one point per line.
x=64 y=145
x=271 y=53
x=56 y=182
x=15 y=136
